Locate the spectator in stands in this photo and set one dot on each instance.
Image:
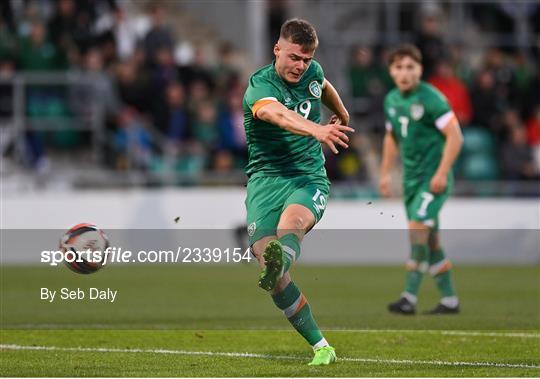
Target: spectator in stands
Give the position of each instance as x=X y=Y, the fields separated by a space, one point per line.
x=164 y=73
x=454 y=89
x=462 y=66
x=177 y=118
x=165 y=70
x=199 y=92
x=107 y=45
x=70 y=27
x=7 y=69
x=226 y=73
x=532 y=98
x=198 y=71
x=369 y=81
x=277 y=14
x=509 y=119
x=485 y=102
x=205 y=130
x=7 y=40
x=37 y=53
x=533 y=137
x=160 y=35
x=7 y=132
x=523 y=74
x=7 y=59
x=517 y=159
x=430 y=42
x=232 y=136
x=125 y=33
x=133 y=141
x=100 y=86
x=133 y=85
x=367 y=77
x=496 y=61
x=8 y=22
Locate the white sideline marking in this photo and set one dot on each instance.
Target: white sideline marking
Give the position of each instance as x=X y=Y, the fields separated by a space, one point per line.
x=464 y=333
x=442 y=332
x=265 y=356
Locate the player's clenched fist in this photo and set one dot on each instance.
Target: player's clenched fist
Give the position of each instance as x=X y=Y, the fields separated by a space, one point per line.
x=438 y=183
x=332 y=134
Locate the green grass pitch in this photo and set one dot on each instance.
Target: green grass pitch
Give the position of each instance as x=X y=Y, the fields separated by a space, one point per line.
x=213 y=320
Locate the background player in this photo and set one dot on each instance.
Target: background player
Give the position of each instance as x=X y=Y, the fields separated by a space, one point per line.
x=423 y=128
x=288 y=188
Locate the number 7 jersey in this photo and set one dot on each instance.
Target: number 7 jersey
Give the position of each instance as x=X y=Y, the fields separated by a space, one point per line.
x=273 y=151
x=415 y=120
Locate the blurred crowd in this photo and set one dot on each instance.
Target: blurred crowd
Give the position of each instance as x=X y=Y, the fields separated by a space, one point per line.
x=164 y=108
x=169 y=108
x=494 y=95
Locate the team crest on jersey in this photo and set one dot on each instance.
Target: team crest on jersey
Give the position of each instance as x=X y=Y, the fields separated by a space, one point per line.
x=417 y=111
x=315 y=89
x=251 y=229
x=392 y=112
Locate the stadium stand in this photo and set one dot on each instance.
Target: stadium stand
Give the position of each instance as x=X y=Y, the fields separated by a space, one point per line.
x=150 y=92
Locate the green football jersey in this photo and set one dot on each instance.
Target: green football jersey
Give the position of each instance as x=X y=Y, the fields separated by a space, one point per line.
x=273 y=151
x=415 y=120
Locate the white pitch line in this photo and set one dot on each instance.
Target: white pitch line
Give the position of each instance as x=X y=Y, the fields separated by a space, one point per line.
x=464 y=333
x=442 y=332
x=265 y=356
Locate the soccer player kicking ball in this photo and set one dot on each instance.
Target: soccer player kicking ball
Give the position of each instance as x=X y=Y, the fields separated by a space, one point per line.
x=425 y=131
x=288 y=188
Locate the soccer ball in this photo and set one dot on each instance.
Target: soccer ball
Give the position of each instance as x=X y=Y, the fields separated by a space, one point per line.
x=84 y=247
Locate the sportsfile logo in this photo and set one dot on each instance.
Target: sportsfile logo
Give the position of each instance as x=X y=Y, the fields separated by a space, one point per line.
x=54 y=257
x=119 y=255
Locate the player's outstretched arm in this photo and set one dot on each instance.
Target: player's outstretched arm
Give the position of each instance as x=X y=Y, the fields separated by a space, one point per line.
x=452 y=146
x=389 y=155
x=331 y=134
x=331 y=99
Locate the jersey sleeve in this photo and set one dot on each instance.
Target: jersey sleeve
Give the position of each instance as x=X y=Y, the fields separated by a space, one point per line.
x=260 y=92
x=439 y=109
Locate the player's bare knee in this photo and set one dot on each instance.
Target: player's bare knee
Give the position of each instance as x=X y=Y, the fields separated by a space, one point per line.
x=419 y=232
x=418 y=226
x=291 y=224
x=298 y=222
x=296 y=219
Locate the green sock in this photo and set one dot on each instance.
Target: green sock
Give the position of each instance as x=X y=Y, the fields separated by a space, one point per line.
x=297 y=310
x=291 y=247
x=440 y=269
x=416 y=268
